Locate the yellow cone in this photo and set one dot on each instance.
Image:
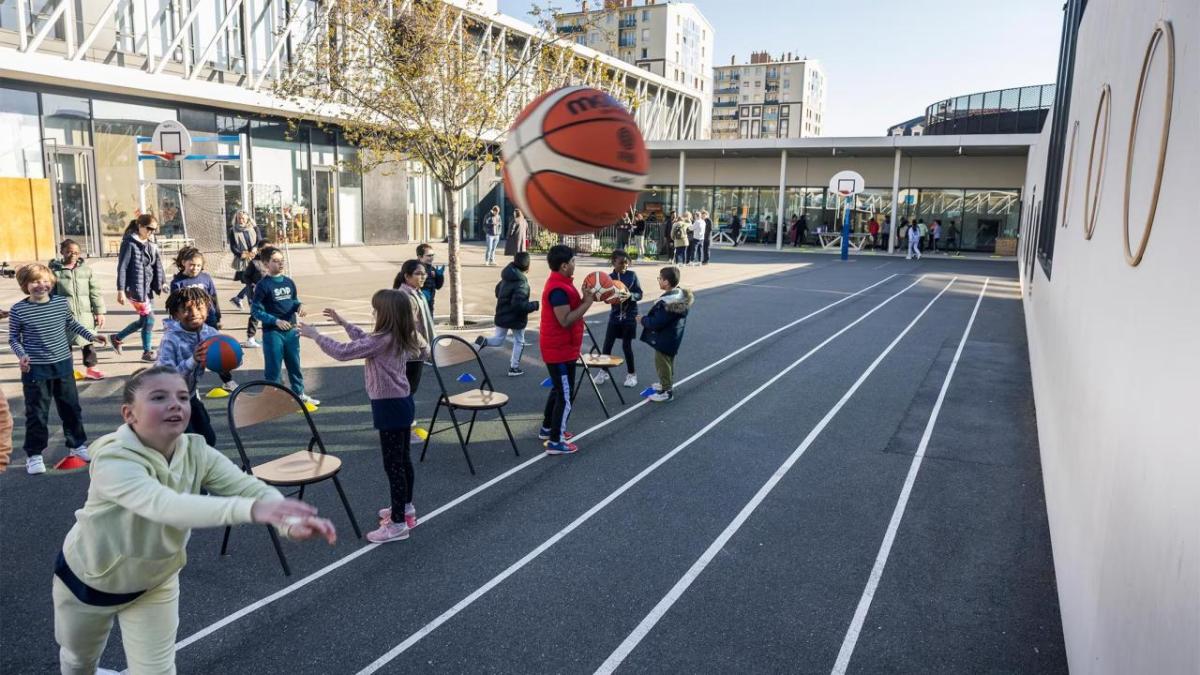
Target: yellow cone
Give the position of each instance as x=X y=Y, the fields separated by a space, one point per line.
x=310 y=407
x=217 y=392
x=421 y=433
x=78 y=376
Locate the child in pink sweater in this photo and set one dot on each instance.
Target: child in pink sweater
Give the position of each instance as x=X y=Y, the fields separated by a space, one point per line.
x=394 y=341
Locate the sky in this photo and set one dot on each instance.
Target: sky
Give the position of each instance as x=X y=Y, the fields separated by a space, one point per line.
x=886 y=60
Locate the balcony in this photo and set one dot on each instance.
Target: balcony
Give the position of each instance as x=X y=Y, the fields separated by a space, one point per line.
x=629 y=22
x=570 y=28
x=725 y=104
x=726 y=90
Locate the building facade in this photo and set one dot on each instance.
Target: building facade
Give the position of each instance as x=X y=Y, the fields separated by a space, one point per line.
x=768 y=98
x=1017 y=110
x=672 y=40
x=84 y=84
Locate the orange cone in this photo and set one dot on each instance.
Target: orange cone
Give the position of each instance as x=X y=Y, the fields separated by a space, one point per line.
x=70 y=462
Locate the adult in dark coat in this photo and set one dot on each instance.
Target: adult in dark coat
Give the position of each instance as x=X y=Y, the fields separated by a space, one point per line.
x=735 y=228
x=518 y=232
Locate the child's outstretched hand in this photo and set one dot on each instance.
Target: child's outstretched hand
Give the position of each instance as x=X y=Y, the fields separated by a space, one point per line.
x=331 y=314
x=102 y=339
x=200 y=352
x=303 y=529
x=278 y=511
x=309 y=331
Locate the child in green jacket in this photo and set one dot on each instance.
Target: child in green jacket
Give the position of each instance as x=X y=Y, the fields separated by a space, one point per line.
x=77 y=284
x=123 y=556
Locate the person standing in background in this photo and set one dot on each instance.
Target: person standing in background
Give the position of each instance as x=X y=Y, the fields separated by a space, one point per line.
x=639 y=235
x=735 y=228
x=518 y=233
x=708 y=235
x=435 y=278
x=491 y=232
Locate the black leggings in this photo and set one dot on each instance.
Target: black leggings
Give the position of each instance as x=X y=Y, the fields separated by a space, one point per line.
x=397 y=463
x=625 y=332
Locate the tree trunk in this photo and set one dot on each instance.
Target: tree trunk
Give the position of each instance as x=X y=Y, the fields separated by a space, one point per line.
x=454 y=265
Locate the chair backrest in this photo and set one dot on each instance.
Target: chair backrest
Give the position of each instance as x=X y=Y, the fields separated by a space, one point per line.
x=451 y=350
x=262 y=401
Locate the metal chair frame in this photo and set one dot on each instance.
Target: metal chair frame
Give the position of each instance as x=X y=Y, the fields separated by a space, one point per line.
x=485 y=385
x=586 y=373
x=314 y=441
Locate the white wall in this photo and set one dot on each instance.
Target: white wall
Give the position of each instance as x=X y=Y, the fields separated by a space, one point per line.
x=1115 y=355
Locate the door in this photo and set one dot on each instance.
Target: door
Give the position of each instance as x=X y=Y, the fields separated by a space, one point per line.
x=324 y=211
x=72 y=173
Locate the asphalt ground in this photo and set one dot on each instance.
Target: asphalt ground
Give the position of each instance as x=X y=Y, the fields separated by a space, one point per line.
x=549 y=563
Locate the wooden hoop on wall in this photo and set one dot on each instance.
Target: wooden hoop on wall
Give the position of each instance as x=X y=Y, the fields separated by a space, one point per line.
x=1066 y=198
x=1091 y=204
x=1162 y=32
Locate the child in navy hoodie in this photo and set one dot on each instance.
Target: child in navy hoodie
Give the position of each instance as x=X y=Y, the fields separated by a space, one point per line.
x=276 y=305
x=622 y=318
x=190 y=262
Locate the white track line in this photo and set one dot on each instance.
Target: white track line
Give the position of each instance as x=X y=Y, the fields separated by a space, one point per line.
x=647 y=624
x=301 y=583
x=587 y=515
x=864 y=603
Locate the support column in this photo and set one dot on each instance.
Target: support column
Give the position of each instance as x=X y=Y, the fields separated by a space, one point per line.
x=895 y=203
x=679 y=201
x=244 y=171
x=782 y=197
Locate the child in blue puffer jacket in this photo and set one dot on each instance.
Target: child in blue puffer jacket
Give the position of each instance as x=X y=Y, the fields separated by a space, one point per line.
x=662 y=328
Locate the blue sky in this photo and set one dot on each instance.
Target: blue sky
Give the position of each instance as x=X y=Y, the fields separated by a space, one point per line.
x=885 y=60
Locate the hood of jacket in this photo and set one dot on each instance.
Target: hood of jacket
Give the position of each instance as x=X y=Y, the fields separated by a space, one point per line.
x=57 y=265
x=678 y=300
x=511 y=273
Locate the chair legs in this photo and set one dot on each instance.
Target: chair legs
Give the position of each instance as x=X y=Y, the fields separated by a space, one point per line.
x=461 y=441
x=429 y=435
x=346 y=503
x=287 y=571
x=616 y=388
x=225 y=540
x=471 y=426
x=586 y=375
x=508 y=431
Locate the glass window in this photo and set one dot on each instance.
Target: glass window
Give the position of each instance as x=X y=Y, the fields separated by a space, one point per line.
x=65 y=119
x=350 y=194
x=987 y=215
x=739 y=201
x=991 y=100
x=645 y=35
x=645 y=15
x=1010 y=99
x=1031 y=97
x=280 y=174
x=757 y=111
x=117 y=126
x=20 y=137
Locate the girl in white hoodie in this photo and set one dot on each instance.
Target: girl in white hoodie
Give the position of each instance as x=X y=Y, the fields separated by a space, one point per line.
x=123 y=556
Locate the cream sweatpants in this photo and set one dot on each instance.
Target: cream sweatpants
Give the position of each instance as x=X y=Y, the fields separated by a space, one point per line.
x=148 y=628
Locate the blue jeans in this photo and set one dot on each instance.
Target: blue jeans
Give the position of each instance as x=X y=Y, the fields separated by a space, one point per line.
x=497 y=340
x=144 y=324
x=490 y=254
x=282 y=347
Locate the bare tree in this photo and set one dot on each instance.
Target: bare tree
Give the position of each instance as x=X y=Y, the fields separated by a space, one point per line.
x=434 y=81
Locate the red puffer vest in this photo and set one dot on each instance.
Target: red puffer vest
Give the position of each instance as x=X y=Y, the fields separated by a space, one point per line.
x=558 y=344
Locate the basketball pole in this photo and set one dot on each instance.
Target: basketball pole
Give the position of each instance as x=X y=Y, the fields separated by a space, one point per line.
x=846 y=227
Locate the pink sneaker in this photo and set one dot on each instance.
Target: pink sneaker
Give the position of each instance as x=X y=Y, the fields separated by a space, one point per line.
x=93 y=374
x=388 y=532
x=410 y=515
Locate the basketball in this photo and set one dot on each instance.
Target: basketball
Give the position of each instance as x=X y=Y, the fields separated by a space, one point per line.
x=620 y=292
x=600 y=284
x=575 y=160
x=222 y=354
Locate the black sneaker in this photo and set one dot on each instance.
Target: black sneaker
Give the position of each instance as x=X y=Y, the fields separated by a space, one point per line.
x=115 y=342
x=236 y=301
x=515 y=372
x=481 y=342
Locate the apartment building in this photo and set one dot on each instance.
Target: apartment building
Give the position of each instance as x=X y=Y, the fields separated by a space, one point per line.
x=768 y=98
x=670 y=39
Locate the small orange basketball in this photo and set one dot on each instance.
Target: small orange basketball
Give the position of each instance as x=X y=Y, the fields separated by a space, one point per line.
x=620 y=292
x=575 y=160
x=600 y=284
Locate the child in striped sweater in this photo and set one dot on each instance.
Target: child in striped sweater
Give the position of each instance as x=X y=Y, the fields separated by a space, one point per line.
x=38 y=330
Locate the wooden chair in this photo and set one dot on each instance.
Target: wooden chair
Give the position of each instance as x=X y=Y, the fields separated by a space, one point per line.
x=593 y=358
x=298 y=469
x=451 y=350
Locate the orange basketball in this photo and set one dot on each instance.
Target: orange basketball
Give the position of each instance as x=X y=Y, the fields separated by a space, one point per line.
x=575 y=160
x=619 y=292
x=600 y=284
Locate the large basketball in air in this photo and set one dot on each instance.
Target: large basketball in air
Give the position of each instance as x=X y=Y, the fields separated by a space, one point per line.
x=223 y=354
x=599 y=284
x=574 y=160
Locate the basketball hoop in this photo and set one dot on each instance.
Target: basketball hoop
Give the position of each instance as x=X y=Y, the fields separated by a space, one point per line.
x=847 y=183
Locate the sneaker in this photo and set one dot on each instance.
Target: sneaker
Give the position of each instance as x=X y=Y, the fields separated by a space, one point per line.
x=662 y=396
x=82 y=453
x=544 y=434
x=656 y=386
x=115 y=342
x=309 y=400
x=149 y=357
x=35 y=465
x=599 y=377
x=480 y=342
x=410 y=515
x=561 y=448
x=229 y=386
x=251 y=343
x=388 y=532
x=93 y=374
x=631 y=380
x=515 y=372
x=236 y=301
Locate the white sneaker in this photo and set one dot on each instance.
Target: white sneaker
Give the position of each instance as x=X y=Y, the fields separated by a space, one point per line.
x=309 y=400
x=82 y=453
x=35 y=465
x=662 y=396
x=656 y=386
x=599 y=377
x=251 y=343
x=229 y=386
x=631 y=380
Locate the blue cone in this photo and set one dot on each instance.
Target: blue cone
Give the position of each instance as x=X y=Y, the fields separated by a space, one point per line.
x=648 y=391
x=466 y=377
x=547 y=383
